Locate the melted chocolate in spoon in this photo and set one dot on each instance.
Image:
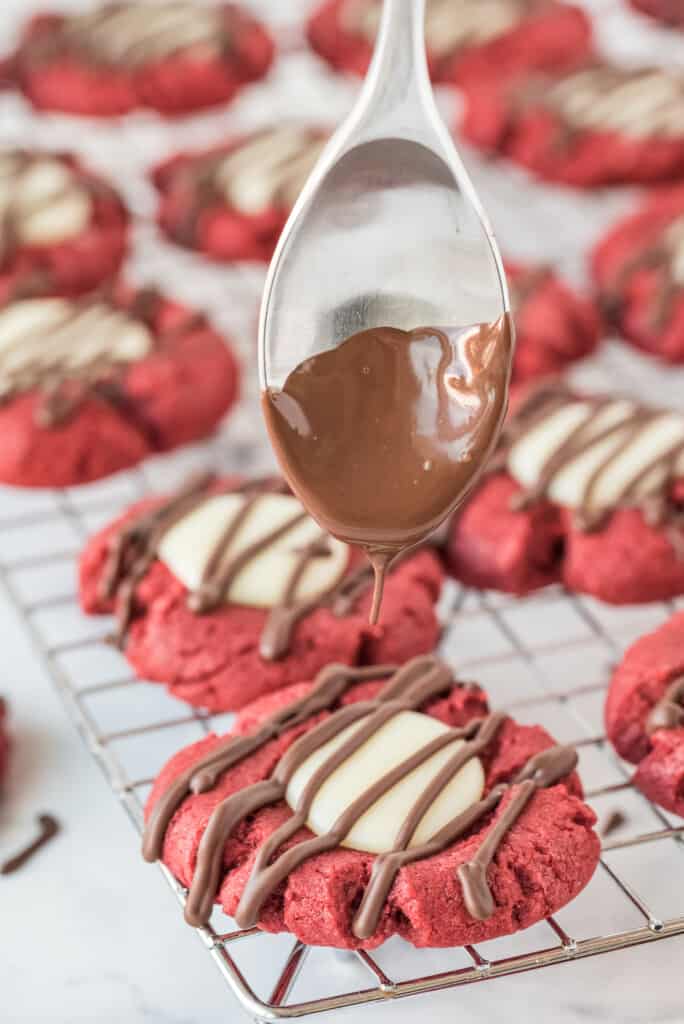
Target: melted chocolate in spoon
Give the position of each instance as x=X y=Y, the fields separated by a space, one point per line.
x=383 y=436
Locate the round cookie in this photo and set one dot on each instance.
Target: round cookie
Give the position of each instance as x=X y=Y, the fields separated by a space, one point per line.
x=638 y=268
x=460 y=34
x=554 y=325
x=582 y=128
x=93 y=385
x=64 y=230
x=645 y=713
x=585 y=491
x=429 y=818
x=174 y=57
x=670 y=12
x=227 y=591
x=231 y=202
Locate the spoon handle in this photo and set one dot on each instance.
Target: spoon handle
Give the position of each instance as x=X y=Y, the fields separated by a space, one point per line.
x=397 y=93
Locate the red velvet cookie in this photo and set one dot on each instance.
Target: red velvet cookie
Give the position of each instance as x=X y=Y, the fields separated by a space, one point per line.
x=638 y=272
x=587 y=492
x=225 y=592
x=554 y=325
x=645 y=713
x=517 y=34
x=416 y=780
x=93 y=385
x=582 y=128
x=173 y=57
x=4 y=740
x=63 y=228
x=671 y=12
x=231 y=202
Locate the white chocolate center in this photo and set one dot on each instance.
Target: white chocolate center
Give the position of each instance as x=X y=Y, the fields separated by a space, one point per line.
x=399 y=738
x=42 y=199
x=43 y=336
x=138 y=32
x=641 y=104
x=612 y=464
x=269 y=169
x=449 y=24
x=187 y=547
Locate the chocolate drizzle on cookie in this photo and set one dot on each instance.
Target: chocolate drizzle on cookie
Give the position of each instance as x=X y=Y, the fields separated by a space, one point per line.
x=637 y=102
x=612 y=452
x=450 y=25
x=668 y=713
x=133 y=549
x=72 y=350
x=128 y=35
x=418 y=682
x=263 y=171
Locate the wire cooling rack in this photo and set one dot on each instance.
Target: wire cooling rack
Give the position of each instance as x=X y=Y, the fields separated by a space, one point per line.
x=546 y=659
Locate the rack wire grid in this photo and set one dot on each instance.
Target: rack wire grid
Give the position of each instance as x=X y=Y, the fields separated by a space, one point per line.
x=546 y=658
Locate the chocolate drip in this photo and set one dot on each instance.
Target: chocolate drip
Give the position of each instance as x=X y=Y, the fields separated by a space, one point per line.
x=49 y=828
x=668 y=713
x=408 y=688
x=541 y=405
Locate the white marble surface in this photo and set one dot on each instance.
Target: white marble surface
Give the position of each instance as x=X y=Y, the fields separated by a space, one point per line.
x=88 y=932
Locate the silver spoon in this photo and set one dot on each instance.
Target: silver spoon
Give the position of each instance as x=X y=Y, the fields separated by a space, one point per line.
x=388 y=229
x=388 y=232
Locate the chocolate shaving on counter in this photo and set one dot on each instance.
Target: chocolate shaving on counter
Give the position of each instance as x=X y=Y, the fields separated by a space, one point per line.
x=546 y=400
x=408 y=688
x=668 y=713
x=614 y=821
x=49 y=827
x=134 y=547
x=208 y=178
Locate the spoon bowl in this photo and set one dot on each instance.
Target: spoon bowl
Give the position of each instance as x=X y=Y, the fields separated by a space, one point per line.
x=388 y=229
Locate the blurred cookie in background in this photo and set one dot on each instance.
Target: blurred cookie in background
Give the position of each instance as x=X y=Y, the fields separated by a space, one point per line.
x=671 y=12
x=584 y=490
x=554 y=325
x=600 y=125
x=231 y=202
x=91 y=386
x=174 y=57
x=515 y=33
x=4 y=741
x=63 y=230
x=645 y=713
x=638 y=268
